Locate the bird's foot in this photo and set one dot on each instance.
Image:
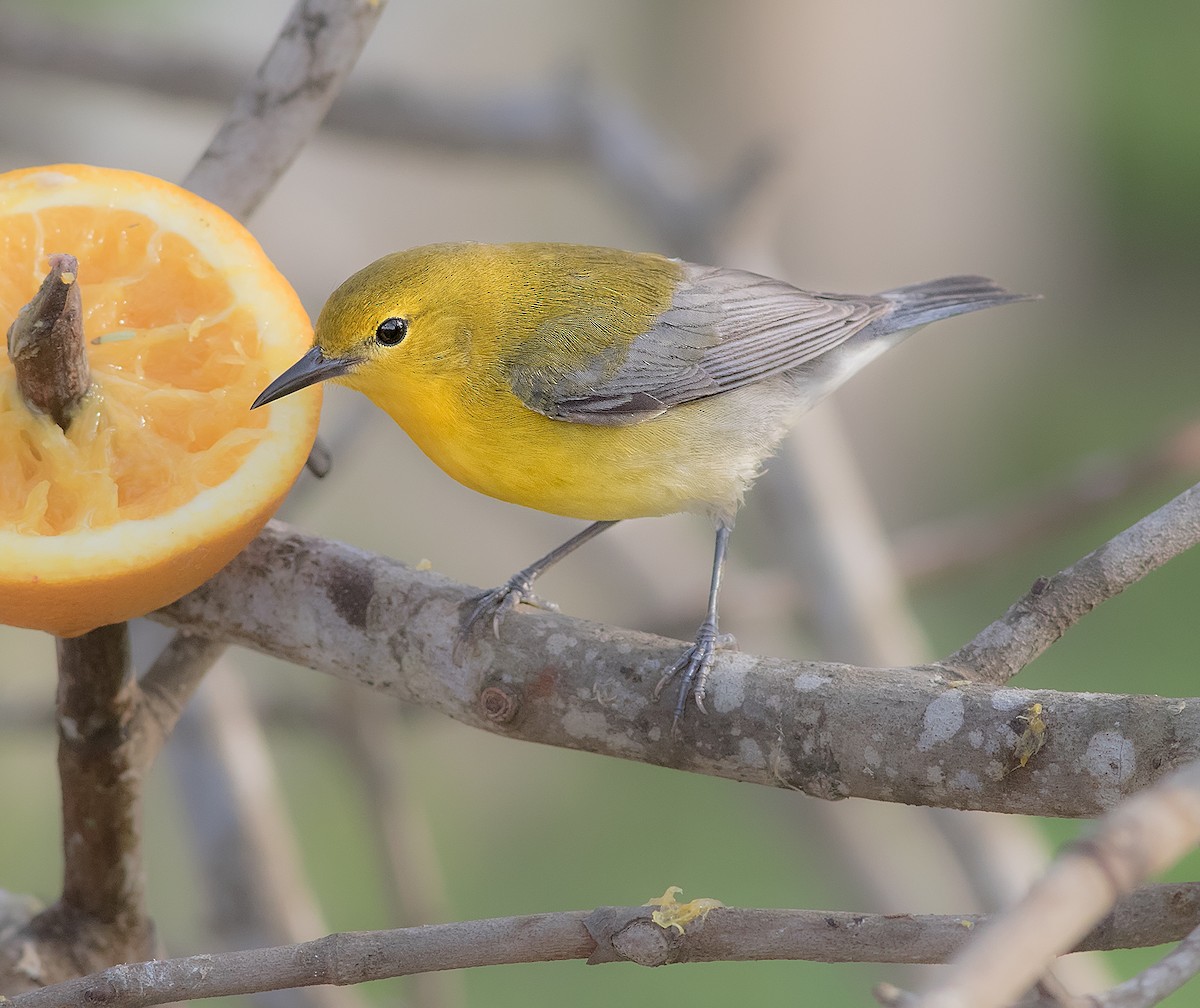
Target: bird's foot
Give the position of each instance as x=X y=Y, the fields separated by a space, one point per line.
x=492 y=605
x=693 y=667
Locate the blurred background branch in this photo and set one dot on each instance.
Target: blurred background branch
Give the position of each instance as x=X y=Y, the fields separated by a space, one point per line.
x=570 y=116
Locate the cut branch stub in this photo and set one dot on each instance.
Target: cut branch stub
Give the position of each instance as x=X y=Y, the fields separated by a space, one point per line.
x=45 y=342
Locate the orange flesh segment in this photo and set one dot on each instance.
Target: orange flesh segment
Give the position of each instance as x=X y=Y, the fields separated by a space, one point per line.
x=174 y=373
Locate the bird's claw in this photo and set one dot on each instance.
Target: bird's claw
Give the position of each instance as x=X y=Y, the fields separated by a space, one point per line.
x=695 y=664
x=492 y=605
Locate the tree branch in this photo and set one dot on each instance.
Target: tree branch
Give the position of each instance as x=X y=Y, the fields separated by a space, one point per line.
x=97 y=705
x=274 y=117
x=109 y=733
x=1053 y=605
x=1156 y=982
x=1143 y=836
x=569 y=116
x=101 y=915
x=911 y=735
x=169 y=682
x=607 y=934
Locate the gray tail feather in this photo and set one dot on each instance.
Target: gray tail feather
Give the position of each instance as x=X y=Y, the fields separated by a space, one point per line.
x=920 y=304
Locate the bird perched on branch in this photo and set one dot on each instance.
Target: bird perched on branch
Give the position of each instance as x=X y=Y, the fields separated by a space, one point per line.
x=601 y=384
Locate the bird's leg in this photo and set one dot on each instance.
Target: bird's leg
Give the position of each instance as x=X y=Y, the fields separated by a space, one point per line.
x=519 y=588
x=696 y=662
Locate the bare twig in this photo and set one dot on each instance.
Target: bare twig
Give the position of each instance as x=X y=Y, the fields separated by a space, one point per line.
x=1141 y=837
x=108 y=735
x=607 y=934
x=274 y=117
x=267 y=839
x=45 y=342
x=1156 y=982
x=1053 y=605
x=339 y=959
x=170 y=681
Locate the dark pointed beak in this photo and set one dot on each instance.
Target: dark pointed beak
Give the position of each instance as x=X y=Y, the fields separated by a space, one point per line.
x=313 y=367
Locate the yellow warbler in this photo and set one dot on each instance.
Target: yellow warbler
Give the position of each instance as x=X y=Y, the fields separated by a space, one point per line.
x=602 y=384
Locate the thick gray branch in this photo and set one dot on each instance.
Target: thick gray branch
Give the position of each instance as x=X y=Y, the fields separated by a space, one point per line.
x=910 y=735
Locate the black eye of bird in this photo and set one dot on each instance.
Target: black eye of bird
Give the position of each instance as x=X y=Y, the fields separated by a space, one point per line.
x=391 y=331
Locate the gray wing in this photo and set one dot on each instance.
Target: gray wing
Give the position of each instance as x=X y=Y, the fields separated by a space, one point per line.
x=725 y=329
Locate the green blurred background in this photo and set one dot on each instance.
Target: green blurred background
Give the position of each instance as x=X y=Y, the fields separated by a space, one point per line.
x=1055 y=147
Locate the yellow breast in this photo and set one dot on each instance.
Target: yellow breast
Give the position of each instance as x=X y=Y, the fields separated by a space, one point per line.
x=697 y=457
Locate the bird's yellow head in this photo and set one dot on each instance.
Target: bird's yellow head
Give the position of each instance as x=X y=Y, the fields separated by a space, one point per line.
x=405 y=318
x=475 y=324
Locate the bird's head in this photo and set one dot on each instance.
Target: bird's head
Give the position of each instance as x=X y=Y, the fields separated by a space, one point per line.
x=402 y=318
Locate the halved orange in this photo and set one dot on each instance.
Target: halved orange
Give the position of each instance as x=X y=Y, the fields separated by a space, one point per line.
x=164 y=474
